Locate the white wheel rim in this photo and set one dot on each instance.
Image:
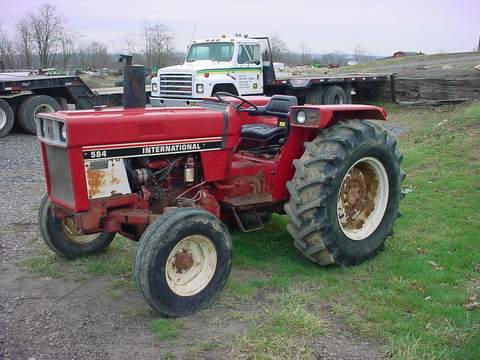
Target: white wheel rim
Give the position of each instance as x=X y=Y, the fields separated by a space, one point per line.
x=72 y=233
x=362 y=198
x=190 y=265
x=3 y=118
x=43 y=108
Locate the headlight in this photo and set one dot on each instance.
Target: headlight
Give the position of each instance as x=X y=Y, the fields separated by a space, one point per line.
x=154 y=87
x=200 y=88
x=63 y=132
x=301 y=117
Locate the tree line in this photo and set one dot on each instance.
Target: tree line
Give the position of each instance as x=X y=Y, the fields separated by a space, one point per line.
x=43 y=39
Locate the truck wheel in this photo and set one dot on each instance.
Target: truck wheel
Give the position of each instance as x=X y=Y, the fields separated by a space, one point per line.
x=183 y=261
x=33 y=105
x=61 y=236
x=335 y=95
x=345 y=194
x=6 y=118
x=62 y=102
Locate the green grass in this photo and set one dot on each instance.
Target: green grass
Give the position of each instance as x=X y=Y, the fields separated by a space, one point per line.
x=115 y=262
x=283 y=331
x=165 y=329
x=412 y=294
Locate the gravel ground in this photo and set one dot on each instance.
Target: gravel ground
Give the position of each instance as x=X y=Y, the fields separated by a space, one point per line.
x=45 y=318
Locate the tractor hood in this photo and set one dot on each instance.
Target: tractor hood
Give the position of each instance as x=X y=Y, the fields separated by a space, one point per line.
x=125 y=126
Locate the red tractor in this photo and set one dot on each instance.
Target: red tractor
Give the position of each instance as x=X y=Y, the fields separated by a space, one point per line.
x=170 y=178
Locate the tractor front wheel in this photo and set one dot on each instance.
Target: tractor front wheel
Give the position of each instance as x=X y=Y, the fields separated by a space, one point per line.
x=345 y=194
x=183 y=261
x=62 y=237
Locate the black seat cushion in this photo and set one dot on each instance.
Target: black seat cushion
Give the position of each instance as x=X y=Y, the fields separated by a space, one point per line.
x=279 y=105
x=263 y=132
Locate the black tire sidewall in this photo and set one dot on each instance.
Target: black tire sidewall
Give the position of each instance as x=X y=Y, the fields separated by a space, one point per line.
x=164 y=298
x=26 y=115
x=9 y=118
x=54 y=236
x=359 y=249
x=332 y=92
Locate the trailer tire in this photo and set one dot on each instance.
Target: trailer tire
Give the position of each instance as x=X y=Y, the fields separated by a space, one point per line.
x=180 y=286
x=6 y=118
x=31 y=106
x=63 y=241
x=335 y=95
x=62 y=102
x=345 y=194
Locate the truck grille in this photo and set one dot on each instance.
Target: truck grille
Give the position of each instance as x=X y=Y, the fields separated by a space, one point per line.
x=176 y=84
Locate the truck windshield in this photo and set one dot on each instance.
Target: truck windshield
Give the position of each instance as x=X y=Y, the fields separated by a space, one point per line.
x=219 y=51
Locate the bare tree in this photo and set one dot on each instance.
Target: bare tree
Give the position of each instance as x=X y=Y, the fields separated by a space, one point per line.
x=67 y=40
x=158 y=45
x=130 y=43
x=7 y=56
x=46 y=25
x=93 y=56
x=359 y=52
x=24 y=43
x=279 y=47
x=306 y=54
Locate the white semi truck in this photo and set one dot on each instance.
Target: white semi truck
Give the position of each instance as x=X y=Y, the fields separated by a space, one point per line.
x=244 y=66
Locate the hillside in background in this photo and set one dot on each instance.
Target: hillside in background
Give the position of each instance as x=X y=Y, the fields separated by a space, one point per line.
x=447 y=66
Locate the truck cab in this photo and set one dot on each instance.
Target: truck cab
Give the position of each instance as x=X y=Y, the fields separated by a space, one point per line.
x=228 y=64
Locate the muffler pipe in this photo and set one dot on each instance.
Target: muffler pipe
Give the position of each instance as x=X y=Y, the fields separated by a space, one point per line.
x=134 y=93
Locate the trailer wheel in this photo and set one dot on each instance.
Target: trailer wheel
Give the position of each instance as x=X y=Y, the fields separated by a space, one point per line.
x=62 y=102
x=345 y=194
x=335 y=95
x=183 y=261
x=61 y=236
x=33 y=105
x=6 y=118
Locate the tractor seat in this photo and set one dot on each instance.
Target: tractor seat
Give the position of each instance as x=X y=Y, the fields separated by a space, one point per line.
x=279 y=105
x=263 y=132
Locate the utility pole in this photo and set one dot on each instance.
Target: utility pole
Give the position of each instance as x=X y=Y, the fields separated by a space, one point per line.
x=478 y=49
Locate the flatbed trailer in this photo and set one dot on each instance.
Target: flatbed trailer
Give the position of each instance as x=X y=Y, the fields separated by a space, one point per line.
x=22 y=96
x=323 y=89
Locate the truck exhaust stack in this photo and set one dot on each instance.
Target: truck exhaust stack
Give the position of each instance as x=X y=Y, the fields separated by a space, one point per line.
x=133 y=83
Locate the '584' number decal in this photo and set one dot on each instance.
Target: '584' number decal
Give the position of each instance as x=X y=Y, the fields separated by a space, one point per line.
x=97 y=154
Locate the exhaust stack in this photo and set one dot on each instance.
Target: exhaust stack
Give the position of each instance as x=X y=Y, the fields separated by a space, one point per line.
x=134 y=95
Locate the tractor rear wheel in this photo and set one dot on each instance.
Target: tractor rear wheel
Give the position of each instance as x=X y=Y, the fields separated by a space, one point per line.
x=345 y=194
x=183 y=261
x=62 y=237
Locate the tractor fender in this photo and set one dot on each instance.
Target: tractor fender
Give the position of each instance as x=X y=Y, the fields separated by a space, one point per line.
x=331 y=114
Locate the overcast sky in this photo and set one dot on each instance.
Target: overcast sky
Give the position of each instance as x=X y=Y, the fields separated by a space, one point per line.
x=381 y=27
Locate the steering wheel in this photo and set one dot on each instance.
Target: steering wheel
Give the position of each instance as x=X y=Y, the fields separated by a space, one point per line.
x=221 y=96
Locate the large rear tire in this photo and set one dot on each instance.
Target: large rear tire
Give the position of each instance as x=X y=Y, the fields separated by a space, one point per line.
x=183 y=261
x=6 y=118
x=32 y=106
x=61 y=236
x=345 y=194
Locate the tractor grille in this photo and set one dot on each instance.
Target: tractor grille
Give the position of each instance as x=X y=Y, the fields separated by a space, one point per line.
x=176 y=85
x=59 y=172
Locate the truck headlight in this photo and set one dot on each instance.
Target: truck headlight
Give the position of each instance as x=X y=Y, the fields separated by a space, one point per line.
x=301 y=117
x=200 y=88
x=154 y=87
